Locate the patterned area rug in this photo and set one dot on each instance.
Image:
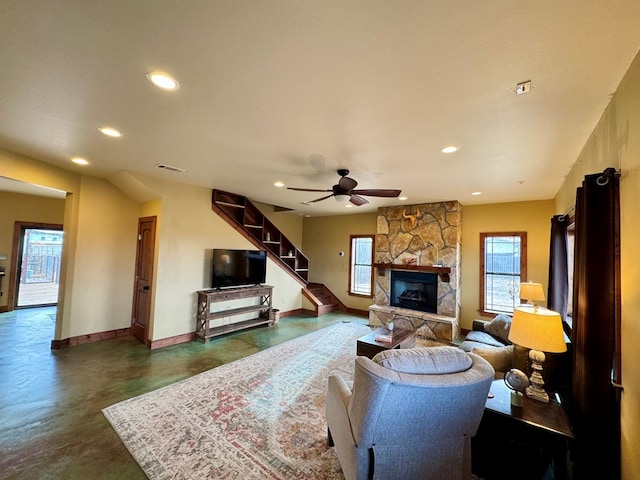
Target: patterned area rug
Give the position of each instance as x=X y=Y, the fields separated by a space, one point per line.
x=258 y=417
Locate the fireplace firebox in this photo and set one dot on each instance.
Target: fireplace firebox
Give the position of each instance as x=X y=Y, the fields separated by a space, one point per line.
x=414 y=290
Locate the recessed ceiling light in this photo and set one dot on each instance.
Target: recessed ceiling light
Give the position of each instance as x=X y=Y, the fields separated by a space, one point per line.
x=476 y=193
x=348 y=205
x=450 y=149
x=110 y=132
x=402 y=198
x=278 y=184
x=80 y=161
x=163 y=80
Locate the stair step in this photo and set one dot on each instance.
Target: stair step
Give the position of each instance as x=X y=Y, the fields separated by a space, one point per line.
x=326 y=308
x=327 y=301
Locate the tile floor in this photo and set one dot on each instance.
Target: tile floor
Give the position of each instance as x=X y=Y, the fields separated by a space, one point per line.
x=51 y=423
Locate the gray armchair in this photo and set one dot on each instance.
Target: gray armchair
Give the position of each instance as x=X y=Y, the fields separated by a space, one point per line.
x=410 y=414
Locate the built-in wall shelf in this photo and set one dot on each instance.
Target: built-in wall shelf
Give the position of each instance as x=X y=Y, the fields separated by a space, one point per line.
x=251 y=222
x=443 y=272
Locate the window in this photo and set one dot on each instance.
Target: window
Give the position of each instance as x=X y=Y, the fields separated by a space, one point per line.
x=361 y=265
x=503 y=266
x=571 y=242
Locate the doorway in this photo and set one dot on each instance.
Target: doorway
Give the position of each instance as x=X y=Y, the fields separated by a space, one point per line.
x=142 y=291
x=36 y=264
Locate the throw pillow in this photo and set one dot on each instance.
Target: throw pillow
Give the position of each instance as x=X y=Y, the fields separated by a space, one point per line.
x=500 y=359
x=499 y=327
x=484 y=337
x=425 y=360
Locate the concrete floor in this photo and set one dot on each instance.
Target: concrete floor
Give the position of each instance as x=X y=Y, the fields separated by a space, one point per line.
x=51 y=423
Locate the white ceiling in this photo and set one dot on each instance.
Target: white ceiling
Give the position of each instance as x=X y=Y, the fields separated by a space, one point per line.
x=291 y=90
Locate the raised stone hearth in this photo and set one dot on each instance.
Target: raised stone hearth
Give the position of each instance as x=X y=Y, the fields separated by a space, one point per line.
x=428 y=325
x=419 y=237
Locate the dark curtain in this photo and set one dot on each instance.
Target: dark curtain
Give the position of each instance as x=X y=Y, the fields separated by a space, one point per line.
x=594 y=406
x=558 y=366
x=558 y=292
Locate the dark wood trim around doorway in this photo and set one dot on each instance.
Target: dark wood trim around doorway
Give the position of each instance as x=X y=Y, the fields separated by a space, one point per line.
x=18 y=228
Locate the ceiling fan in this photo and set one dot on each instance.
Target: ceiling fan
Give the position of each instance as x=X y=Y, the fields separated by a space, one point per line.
x=344 y=190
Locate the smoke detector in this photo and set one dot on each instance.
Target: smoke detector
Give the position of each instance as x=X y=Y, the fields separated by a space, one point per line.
x=523 y=87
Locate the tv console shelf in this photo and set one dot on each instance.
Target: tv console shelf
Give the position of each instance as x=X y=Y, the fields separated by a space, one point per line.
x=205 y=315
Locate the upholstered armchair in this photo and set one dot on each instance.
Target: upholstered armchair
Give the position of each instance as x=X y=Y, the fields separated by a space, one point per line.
x=410 y=414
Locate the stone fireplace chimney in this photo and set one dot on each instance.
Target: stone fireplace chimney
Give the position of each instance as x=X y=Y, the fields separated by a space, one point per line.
x=422 y=238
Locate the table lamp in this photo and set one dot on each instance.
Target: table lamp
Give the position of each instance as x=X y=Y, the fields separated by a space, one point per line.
x=532 y=293
x=540 y=330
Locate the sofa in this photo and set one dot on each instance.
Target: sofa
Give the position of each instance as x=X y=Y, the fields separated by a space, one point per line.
x=409 y=414
x=490 y=340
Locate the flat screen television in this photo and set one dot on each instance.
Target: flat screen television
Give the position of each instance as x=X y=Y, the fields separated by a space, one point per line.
x=235 y=268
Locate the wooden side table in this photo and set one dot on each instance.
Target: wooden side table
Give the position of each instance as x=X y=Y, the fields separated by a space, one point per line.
x=510 y=439
x=367 y=346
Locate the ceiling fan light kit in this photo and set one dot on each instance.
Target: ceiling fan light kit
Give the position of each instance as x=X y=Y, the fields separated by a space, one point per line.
x=344 y=191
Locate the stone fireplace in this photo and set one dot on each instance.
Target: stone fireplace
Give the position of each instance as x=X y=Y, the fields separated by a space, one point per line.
x=420 y=245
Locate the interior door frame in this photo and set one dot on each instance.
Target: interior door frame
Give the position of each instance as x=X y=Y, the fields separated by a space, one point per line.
x=16 y=252
x=136 y=297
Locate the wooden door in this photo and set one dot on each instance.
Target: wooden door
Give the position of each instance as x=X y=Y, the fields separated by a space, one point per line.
x=141 y=312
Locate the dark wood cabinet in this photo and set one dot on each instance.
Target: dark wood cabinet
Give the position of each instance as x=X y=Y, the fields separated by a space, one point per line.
x=521 y=441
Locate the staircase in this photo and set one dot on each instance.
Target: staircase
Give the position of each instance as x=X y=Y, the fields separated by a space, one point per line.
x=245 y=217
x=322 y=298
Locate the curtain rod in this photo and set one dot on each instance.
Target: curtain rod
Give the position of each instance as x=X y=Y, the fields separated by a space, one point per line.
x=567 y=213
x=602 y=180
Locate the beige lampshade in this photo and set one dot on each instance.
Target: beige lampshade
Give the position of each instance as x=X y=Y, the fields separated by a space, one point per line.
x=531 y=291
x=537 y=329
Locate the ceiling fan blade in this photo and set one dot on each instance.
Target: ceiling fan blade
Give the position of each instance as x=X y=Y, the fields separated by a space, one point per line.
x=357 y=200
x=376 y=192
x=308 y=189
x=347 y=184
x=319 y=199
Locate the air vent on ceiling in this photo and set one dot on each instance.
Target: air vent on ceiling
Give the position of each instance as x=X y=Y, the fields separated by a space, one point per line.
x=170 y=168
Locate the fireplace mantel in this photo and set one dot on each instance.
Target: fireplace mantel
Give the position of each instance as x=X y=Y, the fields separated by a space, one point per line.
x=443 y=272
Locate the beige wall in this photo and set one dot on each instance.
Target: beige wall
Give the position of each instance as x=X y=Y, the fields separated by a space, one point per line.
x=322 y=239
x=531 y=217
x=103 y=261
x=23 y=208
x=187 y=232
x=616 y=143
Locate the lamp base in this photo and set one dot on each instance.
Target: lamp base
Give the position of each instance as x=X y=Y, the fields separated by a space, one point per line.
x=535 y=390
x=537 y=394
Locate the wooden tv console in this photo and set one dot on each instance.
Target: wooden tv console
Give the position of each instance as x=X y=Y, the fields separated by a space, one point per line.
x=205 y=315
